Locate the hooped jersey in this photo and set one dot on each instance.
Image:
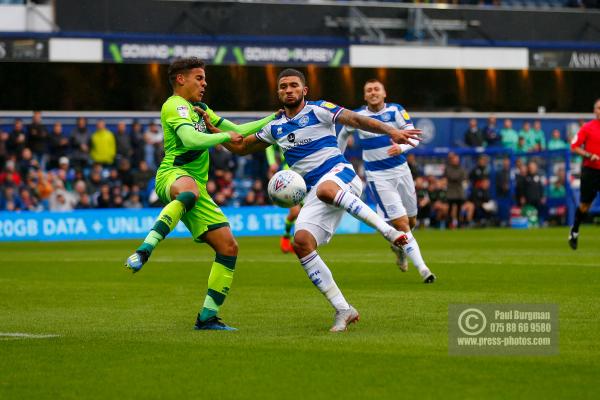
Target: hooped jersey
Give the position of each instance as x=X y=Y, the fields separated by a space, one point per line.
x=308 y=140
x=377 y=163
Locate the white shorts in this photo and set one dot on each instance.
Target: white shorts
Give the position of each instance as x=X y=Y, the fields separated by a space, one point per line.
x=322 y=219
x=395 y=197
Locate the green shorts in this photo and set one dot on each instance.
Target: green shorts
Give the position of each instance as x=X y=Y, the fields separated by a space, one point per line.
x=206 y=214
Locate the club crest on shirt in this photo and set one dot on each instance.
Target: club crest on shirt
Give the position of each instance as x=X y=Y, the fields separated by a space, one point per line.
x=303 y=121
x=386 y=117
x=200 y=126
x=183 y=111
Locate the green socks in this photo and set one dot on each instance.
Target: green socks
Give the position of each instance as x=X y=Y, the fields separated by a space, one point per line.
x=167 y=220
x=219 y=282
x=288 y=228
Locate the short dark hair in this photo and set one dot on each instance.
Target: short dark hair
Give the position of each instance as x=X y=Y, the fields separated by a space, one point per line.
x=292 y=72
x=183 y=65
x=374 y=80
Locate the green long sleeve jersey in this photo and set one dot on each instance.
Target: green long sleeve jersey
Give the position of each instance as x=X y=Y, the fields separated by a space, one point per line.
x=186 y=138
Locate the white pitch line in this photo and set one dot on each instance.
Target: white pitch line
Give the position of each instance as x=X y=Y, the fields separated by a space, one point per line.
x=21 y=335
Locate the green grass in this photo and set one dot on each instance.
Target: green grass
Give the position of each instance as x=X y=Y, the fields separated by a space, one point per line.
x=129 y=336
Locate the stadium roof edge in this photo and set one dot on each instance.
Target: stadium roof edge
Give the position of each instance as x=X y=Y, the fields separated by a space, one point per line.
x=385 y=4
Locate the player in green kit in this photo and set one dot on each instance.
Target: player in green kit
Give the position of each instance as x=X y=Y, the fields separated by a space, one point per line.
x=181 y=183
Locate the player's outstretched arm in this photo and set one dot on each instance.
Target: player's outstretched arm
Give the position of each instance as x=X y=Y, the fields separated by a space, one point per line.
x=248 y=128
x=194 y=140
x=243 y=129
x=401 y=136
x=248 y=145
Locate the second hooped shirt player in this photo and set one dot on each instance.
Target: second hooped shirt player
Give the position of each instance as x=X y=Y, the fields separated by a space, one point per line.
x=388 y=176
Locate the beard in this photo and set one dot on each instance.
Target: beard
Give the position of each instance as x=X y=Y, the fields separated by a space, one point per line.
x=293 y=104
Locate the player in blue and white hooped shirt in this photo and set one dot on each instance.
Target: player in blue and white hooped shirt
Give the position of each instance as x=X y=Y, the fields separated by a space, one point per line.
x=387 y=172
x=306 y=134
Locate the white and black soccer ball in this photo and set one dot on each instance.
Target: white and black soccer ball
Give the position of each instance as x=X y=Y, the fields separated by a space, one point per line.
x=287 y=188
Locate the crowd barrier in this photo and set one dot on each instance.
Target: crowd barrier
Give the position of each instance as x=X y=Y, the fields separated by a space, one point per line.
x=135 y=223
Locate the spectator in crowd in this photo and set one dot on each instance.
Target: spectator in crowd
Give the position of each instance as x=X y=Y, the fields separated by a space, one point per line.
x=59 y=145
x=94 y=181
x=27 y=163
x=80 y=189
x=258 y=189
x=4 y=143
x=143 y=175
x=521 y=145
x=221 y=160
x=557 y=189
x=491 y=134
x=18 y=138
x=474 y=135
x=29 y=202
x=137 y=142
x=153 y=147
x=37 y=139
x=61 y=200
x=556 y=142
x=103 y=145
x=423 y=202
x=124 y=143
x=438 y=192
x=540 y=135
x=133 y=201
x=531 y=188
x=80 y=144
x=503 y=179
x=114 y=179
x=415 y=169
x=10 y=200
x=481 y=207
x=520 y=180
x=117 y=196
x=532 y=139
x=510 y=138
x=10 y=177
x=481 y=170
x=250 y=199
x=84 y=202
x=102 y=198
x=124 y=172
x=457 y=179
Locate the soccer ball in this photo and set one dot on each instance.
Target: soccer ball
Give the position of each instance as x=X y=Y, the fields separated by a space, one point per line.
x=287 y=188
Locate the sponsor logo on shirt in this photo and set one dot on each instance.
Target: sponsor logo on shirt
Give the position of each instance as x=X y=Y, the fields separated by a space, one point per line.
x=183 y=111
x=291 y=137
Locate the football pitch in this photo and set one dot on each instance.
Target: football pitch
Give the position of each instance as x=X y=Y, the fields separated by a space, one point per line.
x=89 y=329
